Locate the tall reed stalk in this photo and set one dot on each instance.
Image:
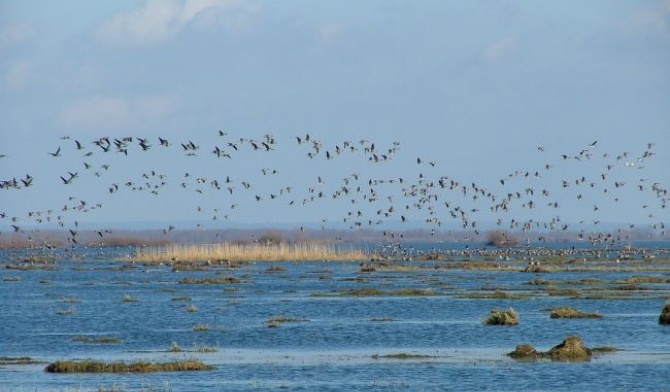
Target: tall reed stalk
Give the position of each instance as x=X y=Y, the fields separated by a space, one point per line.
x=248 y=252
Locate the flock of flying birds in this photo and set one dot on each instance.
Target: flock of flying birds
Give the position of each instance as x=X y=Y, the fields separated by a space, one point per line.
x=366 y=200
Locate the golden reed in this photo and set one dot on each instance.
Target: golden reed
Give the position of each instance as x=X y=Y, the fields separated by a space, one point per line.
x=248 y=252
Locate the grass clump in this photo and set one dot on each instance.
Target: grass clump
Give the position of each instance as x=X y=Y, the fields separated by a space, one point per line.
x=17 y=361
x=96 y=339
x=664 y=318
x=182 y=298
x=497 y=294
x=276 y=321
x=570 y=312
x=375 y=292
x=403 y=356
x=90 y=366
x=502 y=317
x=191 y=308
x=570 y=350
x=221 y=280
x=565 y=292
x=201 y=327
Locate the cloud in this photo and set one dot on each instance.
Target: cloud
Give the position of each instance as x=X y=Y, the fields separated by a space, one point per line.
x=158 y=21
x=498 y=50
x=15 y=34
x=115 y=114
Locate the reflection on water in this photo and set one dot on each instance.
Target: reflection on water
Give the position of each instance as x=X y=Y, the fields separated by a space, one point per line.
x=327 y=341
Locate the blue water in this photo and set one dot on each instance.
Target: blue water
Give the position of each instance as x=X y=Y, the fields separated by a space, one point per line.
x=339 y=346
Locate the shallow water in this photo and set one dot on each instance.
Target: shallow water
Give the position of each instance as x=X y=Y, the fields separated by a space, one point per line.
x=342 y=341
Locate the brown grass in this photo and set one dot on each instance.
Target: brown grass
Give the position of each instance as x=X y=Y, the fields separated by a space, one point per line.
x=91 y=366
x=502 y=317
x=569 y=312
x=247 y=252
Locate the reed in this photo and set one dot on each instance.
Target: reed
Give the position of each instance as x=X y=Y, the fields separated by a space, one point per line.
x=231 y=252
x=90 y=366
x=569 y=312
x=502 y=317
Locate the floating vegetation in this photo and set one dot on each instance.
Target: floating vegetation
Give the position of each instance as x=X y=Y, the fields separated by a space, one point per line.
x=571 y=349
x=276 y=321
x=382 y=319
x=402 y=356
x=563 y=292
x=664 y=318
x=643 y=279
x=11 y=279
x=367 y=268
x=497 y=294
x=183 y=298
x=18 y=361
x=375 y=292
x=90 y=366
x=191 y=308
x=219 y=280
x=96 y=339
x=174 y=348
x=569 y=312
x=502 y=317
x=201 y=327
x=204 y=349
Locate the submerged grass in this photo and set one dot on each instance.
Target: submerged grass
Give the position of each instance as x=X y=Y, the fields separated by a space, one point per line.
x=276 y=321
x=18 y=361
x=375 y=292
x=96 y=339
x=247 y=252
x=497 y=294
x=90 y=366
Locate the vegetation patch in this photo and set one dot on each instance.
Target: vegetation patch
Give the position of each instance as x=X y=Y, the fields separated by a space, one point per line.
x=563 y=292
x=96 y=339
x=182 y=298
x=91 y=366
x=497 y=294
x=220 y=280
x=664 y=318
x=18 y=361
x=276 y=321
x=643 y=279
x=571 y=349
x=375 y=292
x=502 y=317
x=569 y=312
x=402 y=356
x=201 y=327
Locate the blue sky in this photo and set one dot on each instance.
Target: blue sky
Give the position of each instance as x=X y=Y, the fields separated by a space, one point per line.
x=475 y=87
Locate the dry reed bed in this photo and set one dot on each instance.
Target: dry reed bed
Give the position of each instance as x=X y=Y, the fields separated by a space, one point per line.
x=90 y=366
x=227 y=252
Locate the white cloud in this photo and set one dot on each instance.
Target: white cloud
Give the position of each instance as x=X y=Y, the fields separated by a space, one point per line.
x=160 y=20
x=15 y=34
x=115 y=114
x=499 y=49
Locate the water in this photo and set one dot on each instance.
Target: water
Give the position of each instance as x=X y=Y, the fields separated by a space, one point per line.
x=342 y=340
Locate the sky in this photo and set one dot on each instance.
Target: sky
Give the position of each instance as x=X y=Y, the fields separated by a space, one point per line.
x=473 y=93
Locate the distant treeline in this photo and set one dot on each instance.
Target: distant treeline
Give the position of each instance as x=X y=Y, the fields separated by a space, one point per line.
x=268 y=236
